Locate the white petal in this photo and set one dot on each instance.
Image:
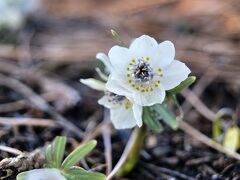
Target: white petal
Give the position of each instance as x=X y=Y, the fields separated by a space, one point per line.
x=93 y=83
x=119 y=58
x=118 y=86
x=105 y=102
x=105 y=60
x=174 y=74
x=46 y=174
x=163 y=55
x=137 y=112
x=143 y=46
x=150 y=98
x=122 y=118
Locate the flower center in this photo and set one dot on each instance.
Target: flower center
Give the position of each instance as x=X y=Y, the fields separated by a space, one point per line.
x=142 y=71
x=141 y=76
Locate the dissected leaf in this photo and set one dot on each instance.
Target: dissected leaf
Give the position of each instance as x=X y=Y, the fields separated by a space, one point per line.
x=152 y=122
x=232 y=138
x=59 y=144
x=182 y=85
x=78 y=154
x=79 y=173
x=167 y=116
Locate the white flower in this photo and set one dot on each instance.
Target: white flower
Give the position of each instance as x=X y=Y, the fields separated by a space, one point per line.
x=123 y=113
x=44 y=174
x=145 y=70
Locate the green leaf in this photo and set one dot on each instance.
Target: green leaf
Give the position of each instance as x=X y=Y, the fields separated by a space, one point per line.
x=48 y=153
x=151 y=122
x=181 y=113
x=78 y=154
x=49 y=157
x=79 y=173
x=216 y=129
x=59 y=144
x=22 y=176
x=167 y=116
x=182 y=85
x=232 y=138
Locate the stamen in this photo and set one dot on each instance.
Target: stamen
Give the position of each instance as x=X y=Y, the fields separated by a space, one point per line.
x=142 y=71
x=140 y=75
x=128 y=104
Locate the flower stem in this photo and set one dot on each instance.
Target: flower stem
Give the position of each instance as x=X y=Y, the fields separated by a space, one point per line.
x=133 y=149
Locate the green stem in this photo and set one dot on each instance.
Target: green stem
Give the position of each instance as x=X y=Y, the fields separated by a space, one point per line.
x=132 y=151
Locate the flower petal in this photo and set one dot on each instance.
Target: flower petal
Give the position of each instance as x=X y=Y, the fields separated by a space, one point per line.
x=105 y=102
x=150 y=98
x=122 y=118
x=105 y=60
x=118 y=87
x=164 y=54
x=143 y=46
x=174 y=74
x=137 y=112
x=119 y=58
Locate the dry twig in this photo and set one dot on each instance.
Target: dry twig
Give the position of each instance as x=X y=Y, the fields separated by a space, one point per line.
x=23 y=162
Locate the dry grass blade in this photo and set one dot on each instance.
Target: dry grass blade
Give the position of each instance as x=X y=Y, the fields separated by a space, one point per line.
x=10 y=150
x=108 y=146
x=27 y=122
x=198 y=104
x=39 y=103
x=188 y=129
x=200 y=86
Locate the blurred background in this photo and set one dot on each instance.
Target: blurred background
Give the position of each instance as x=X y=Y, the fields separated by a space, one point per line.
x=47 y=46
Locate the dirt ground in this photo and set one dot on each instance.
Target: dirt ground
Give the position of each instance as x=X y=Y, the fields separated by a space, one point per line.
x=41 y=96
